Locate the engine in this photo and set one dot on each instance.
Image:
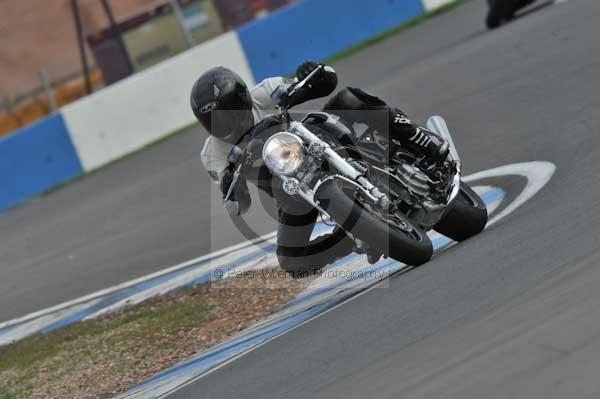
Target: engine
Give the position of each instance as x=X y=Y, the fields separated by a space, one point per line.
x=415 y=181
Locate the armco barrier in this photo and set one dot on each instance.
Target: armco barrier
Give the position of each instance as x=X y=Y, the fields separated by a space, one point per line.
x=147 y=106
x=34 y=158
x=315 y=29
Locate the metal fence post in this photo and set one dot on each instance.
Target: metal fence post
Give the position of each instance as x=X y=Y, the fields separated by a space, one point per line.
x=84 y=61
x=48 y=89
x=181 y=19
x=116 y=33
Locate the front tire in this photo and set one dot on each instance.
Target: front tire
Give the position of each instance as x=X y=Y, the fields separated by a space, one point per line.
x=465 y=217
x=407 y=244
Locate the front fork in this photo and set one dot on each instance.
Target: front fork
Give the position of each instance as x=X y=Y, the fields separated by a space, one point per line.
x=347 y=172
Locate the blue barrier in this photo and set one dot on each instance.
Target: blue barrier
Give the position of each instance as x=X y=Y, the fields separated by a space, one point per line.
x=315 y=29
x=35 y=158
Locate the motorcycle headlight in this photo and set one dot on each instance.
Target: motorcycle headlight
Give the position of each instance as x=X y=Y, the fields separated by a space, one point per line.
x=283 y=153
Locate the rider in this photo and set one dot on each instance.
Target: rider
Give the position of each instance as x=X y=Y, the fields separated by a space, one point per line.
x=228 y=110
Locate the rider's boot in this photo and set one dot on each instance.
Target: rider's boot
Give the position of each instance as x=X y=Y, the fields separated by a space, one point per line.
x=418 y=139
x=373 y=257
x=431 y=145
x=361 y=247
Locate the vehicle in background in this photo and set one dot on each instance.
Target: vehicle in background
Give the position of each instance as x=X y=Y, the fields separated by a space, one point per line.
x=503 y=10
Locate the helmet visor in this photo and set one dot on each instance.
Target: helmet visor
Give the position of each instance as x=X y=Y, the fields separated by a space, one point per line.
x=229 y=117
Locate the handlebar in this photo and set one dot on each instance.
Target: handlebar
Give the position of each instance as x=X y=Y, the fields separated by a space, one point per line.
x=294 y=89
x=307 y=79
x=240 y=157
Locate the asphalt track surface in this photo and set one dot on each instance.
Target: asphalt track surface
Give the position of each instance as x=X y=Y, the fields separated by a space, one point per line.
x=513 y=312
x=158 y=208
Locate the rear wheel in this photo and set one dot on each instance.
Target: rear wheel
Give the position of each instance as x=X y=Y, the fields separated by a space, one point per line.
x=465 y=217
x=516 y=6
x=497 y=12
x=392 y=235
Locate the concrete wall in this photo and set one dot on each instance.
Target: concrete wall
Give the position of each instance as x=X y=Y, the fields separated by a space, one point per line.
x=147 y=106
x=35 y=158
x=433 y=4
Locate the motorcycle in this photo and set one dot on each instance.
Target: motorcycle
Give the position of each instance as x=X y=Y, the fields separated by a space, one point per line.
x=503 y=10
x=384 y=197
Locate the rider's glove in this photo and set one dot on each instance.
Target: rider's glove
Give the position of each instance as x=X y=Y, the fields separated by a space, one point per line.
x=239 y=201
x=322 y=84
x=227 y=179
x=232 y=208
x=230 y=204
x=305 y=69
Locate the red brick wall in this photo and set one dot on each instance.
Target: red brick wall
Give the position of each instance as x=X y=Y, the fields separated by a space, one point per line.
x=41 y=33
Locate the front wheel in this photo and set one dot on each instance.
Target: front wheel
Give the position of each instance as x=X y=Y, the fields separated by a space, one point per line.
x=465 y=217
x=392 y=235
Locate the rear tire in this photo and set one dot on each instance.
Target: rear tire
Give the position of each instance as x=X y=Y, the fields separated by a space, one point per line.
x=496 y=13
x=465 y=217
x=410 y=246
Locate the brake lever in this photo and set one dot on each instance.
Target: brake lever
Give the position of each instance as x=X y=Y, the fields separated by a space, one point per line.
x=244 y=158
x=234 y=179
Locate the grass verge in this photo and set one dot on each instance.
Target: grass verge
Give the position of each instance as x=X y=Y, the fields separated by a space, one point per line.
x=103 y=357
